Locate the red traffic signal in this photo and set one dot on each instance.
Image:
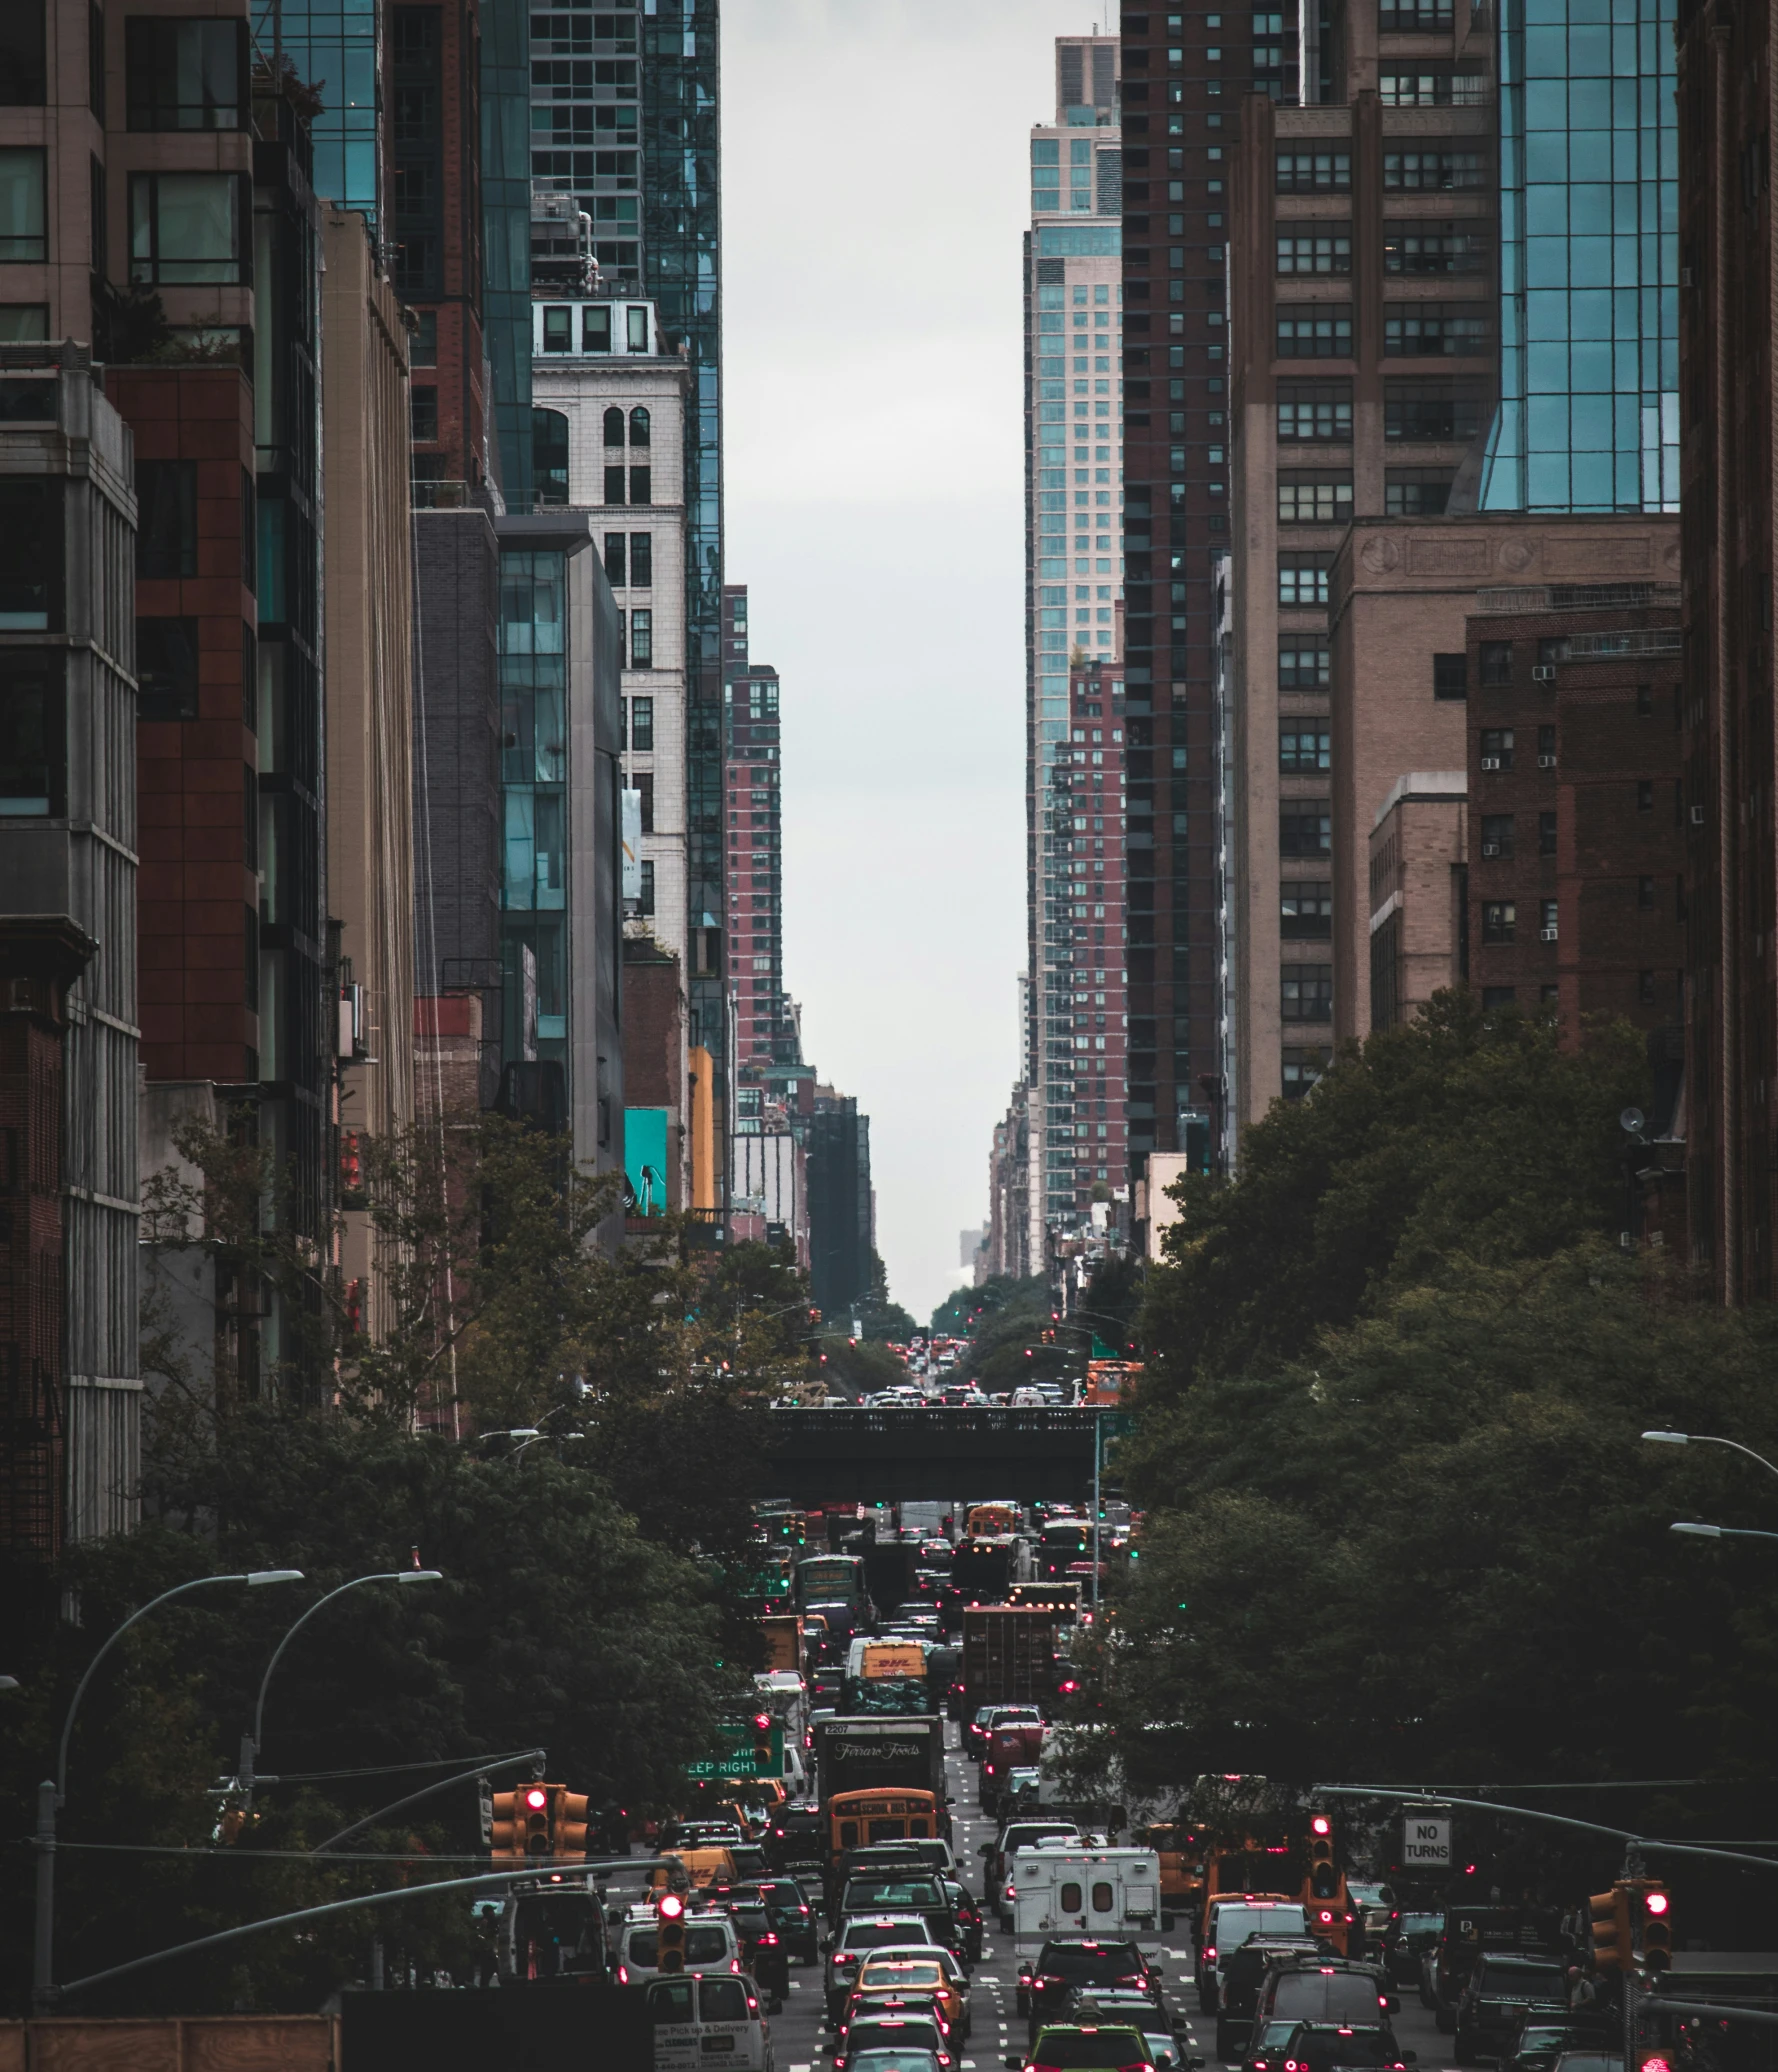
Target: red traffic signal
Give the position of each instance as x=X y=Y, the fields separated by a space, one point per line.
x=536 y=1798
x=671 y=1906
x=1320 y=1825
x=763 y=1721
x=1656 y=1902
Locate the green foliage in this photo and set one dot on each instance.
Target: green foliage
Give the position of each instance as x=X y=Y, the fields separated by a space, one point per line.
x=1460 y=1135
x=956 y=1314
x=1014 y=1323
x=857 y=1369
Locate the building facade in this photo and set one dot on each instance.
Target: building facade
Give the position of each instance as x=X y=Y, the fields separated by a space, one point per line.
x=1074 y=564
x=765 y=1030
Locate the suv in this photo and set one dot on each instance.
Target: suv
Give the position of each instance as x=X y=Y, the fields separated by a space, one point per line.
x=796 y=1839
x=1324 y=2046
x=1230 y=1920
x=1014 y=1836
x=1067 y=1965
x=1323 y=1989
x=1406 y=1941
x=1243 y=1977
x=711 y=1944
x=1061 y=2047
x=902 y=1891
x=1547 y=2034
x=1501 y=1988
x=857 y=1937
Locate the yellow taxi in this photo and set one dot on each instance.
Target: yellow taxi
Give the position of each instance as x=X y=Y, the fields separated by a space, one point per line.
x=906 y=1975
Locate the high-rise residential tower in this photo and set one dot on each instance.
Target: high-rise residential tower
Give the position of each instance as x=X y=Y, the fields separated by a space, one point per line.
x=1074 y=570
x=764 y=1028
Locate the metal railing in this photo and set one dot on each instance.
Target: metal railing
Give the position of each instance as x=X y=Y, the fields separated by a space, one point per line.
x=1577 y=597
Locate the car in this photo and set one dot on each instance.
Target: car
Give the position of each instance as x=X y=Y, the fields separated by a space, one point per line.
x=700 y=1834
x=1069 y=1964
x=900 y=1975
x=902 y=1890
x=1502 y=1986
x=1122 y=2006
x=856 y=1939
x=912 y=2060
x=762 y=1948
x=1547 y=2033
x=1588 y=2061
x=1325 y=2046
x=1229 y=1920
x=1244 y=1976
x=796 y=1840
x=1320 y=1987
x=1084 y=2047
x=792 y=1912
x=711 y=1945
x=967 y=1914
x=899 y=2029
x=1405 y=1942
x=988 y=1717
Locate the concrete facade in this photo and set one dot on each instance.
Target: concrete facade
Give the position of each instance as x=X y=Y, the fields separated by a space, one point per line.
x=1418 y=938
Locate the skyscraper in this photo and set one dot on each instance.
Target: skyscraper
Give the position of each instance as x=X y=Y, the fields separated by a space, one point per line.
x=1074 y=570
x=765 y=1032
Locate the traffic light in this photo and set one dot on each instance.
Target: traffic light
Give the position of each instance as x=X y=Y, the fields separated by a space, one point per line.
x=506 y=1829
x=762 y=1742
x=1612 y=1949
x=534 y=1803
x=1657 y=1927
x=568 y=1823
x=670 y=1932
x=1324 y=1873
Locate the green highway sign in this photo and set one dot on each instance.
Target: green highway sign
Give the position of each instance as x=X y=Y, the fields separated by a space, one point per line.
x=736 y=1763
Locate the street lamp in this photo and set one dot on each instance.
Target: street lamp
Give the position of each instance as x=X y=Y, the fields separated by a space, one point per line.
x=1721 y=1532
x=1664 y=1438
x=52 y=1793
x=252 y=1744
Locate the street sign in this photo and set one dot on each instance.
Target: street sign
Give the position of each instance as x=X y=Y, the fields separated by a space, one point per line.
x=1426 y=1841
x=734 y=1763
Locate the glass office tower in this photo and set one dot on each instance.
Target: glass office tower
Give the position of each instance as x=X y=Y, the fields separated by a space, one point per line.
x=1589 y=270
x=335 y=46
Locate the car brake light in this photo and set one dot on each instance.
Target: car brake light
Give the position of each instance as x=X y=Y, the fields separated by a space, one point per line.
x=1210 y=1954
x=623 y=1974
x=734 y=1964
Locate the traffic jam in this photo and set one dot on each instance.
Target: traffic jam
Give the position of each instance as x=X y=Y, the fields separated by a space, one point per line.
x=885 y=1870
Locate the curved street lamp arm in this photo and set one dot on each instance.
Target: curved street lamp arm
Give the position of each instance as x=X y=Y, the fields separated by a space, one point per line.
x=277 y=1652
x=531 y=1755
x=1702 y=1439
x=178 y=1590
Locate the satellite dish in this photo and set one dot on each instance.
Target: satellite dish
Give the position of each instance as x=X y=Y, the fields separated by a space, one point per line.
x=1631 y=1120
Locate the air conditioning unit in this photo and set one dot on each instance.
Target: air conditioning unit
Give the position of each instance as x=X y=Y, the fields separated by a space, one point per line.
x=1545 y=672
x=1546 y=762
x=1490 y=848
x=1548 y=934
x=1490 y=762
x=1697 y=816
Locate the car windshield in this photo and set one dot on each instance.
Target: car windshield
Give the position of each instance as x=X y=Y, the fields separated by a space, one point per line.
x=1075 y=2050
x=885 y=1891
x=1519 y=1981
x=910 y=1973
x=1090 y=1964
x=1421 y=1924
x=878 y=2032
x=876 y=1935
x=722 y=2000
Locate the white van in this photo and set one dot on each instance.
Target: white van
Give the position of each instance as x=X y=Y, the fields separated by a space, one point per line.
x=695 y=2019
x=710 y=1945
x=1064 y=1891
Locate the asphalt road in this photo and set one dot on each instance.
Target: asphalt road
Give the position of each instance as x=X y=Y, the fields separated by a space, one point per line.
x=800 y=2043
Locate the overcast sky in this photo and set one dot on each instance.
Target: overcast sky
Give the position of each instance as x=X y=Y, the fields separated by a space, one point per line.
x=874 y=194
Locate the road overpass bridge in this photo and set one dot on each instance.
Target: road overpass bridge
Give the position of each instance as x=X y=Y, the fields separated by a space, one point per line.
x=938 y=1454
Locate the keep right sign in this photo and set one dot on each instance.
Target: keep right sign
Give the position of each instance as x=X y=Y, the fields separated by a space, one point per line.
x=1426 y=1840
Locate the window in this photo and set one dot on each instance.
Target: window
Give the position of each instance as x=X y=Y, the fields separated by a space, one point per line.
x=1549 y=923
x=1499 y=919
x=1645 y=988
x=1314 y=410
x=1431 y=170
x=1497 y=664
x=185 y=228
x=1550 y=651
x=1422 y=248
x=1305 y=827
x=167 y=669
x=185 y=75
x=549 y=454
x=1546 y=749
x=1450 y=676
x=1318 y=252
x=1497 y=748
x=1414 y=17
x=422 y=412
x=30 y=555
x=166 y=518
x=1304 y=749
x=1314 y=331
x=1302 y=578
x=640 y=485
x=595 y=331
x=558 y=330
x=23 y=323
x=636 y=336
x=1302 y=666
x=1306 y=993
x=1314 y=499
x=639 y=433
x=1303 y=1066
x=31 y=734
x=1427 y=329
x=642 y=560
x=1422 y=85
x=24 y=232
x=645 y=905
x=423 y=345
x=615 y=561
x=1645 y=894
x=614 y=485
x=1497 y=835
x=1314 y=172
x=642 y=724
x=614 y=432
x=1431 y=410
x=1498 y=996
x=1305 y=910
x=24 y=68
x=642 y=783
x=642 y=640
x=1546 y=834
x=1645 y=795
x=1416 y=492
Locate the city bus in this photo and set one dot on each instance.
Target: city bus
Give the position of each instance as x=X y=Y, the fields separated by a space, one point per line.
x=830 y=1579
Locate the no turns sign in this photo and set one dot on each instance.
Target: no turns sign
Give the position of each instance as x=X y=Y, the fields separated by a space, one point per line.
x=1426 y=1840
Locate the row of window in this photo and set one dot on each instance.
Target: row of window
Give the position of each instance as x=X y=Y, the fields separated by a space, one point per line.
x=601 y=327
x=1321 y=411
x=1320 y=498
x=1411 y=330
x=1417 y=248
x=1416 y=169
x=186 y=229
x=1305 y=993
x=1500 y=920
